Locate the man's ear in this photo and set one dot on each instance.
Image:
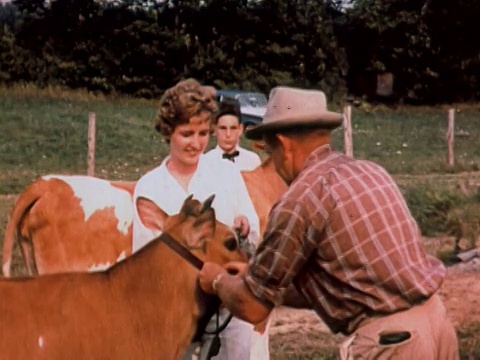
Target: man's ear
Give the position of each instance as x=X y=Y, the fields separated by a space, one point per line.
x=241 y=127
x=285 y=143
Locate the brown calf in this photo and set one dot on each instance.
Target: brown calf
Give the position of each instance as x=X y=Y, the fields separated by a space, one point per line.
x=145 y=307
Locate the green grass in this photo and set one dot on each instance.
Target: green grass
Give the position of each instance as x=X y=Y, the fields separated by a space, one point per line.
x=46 y=132
x=412 y=140
x=43 y=134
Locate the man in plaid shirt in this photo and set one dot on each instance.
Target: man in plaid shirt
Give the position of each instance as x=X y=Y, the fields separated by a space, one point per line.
x=344 y=237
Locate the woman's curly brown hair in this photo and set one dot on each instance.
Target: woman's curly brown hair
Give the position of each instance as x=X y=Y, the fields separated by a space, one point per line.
x=181 y=102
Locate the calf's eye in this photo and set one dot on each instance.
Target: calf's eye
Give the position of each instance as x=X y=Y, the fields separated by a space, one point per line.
x=231 y=244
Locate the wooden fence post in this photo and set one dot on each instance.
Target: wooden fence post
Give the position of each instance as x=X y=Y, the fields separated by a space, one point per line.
x=347 y=131
x=450 y=137
x=91 y=144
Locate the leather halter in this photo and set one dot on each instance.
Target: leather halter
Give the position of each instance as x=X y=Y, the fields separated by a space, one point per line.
x=181 y=250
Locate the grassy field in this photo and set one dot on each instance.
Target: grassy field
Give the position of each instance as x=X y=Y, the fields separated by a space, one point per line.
x=48 y=134
x=45 y=132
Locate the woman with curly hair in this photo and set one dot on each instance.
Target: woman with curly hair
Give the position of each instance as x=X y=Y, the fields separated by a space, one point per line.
x=184 y=119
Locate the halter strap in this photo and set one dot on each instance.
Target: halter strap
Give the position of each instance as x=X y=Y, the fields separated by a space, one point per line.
x=181 y=250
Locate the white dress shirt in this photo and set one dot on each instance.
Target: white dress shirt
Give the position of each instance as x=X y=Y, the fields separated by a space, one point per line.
x=245 y=161
x=221 y=178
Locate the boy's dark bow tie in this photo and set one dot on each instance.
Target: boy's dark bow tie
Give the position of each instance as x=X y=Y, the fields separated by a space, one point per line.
x=231 y=156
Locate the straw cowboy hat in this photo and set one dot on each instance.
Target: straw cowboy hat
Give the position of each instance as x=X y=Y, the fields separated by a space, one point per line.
x=291 y=108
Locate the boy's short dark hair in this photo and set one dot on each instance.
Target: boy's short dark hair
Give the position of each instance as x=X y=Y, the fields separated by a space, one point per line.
x=228 y=107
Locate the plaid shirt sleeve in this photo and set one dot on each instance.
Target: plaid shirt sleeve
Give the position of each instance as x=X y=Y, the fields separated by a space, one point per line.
x=283 y=252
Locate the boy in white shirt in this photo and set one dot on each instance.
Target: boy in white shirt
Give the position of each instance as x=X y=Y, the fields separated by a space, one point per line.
x=228 y=129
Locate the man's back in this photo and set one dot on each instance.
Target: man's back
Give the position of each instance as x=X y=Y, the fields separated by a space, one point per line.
x=362 y=235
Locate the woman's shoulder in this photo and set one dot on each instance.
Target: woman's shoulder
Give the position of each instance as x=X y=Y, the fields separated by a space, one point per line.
x=150 y=177
x=152 y=172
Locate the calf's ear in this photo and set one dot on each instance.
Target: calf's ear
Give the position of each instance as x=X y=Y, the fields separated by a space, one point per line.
x=151 y=216
x=207 y=204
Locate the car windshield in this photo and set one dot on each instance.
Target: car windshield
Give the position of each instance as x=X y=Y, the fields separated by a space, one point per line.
x=252 y=99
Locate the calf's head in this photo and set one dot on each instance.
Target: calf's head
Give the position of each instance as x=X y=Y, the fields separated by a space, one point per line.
x=195 y=227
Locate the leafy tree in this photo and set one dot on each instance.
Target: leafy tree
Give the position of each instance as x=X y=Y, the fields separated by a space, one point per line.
x=457 y=60
x=388 y=36
x=141 y=47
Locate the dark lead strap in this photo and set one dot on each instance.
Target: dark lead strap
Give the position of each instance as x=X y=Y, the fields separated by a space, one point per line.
x=181 y=250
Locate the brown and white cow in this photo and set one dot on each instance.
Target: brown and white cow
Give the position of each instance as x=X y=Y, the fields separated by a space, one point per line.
x=81 y=223
x=264 y=186
x=145 y=307
x=70 y=223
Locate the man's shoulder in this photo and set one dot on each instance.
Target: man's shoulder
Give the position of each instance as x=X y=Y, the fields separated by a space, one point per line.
x=211 y=161
x=246 y=151
x=249 y=153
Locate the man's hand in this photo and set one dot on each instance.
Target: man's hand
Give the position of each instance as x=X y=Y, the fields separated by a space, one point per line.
x=228 y=284
x=211 y=271
x=206 y=276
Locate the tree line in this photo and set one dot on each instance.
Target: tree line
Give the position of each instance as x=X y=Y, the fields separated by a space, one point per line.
x=142 y=47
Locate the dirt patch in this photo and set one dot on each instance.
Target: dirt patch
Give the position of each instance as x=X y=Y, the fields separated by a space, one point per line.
x=461 y=294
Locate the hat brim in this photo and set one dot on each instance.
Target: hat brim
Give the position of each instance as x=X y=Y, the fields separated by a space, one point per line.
x=329 y=120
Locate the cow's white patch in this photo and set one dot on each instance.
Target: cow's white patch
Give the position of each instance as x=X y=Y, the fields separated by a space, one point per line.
x=97 y=194
x=41 y=341
x=105 y=266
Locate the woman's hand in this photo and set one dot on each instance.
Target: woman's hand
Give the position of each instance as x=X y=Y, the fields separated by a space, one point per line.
x=241 y=225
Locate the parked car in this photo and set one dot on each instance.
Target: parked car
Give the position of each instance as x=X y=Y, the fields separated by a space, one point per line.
x=252 y=104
